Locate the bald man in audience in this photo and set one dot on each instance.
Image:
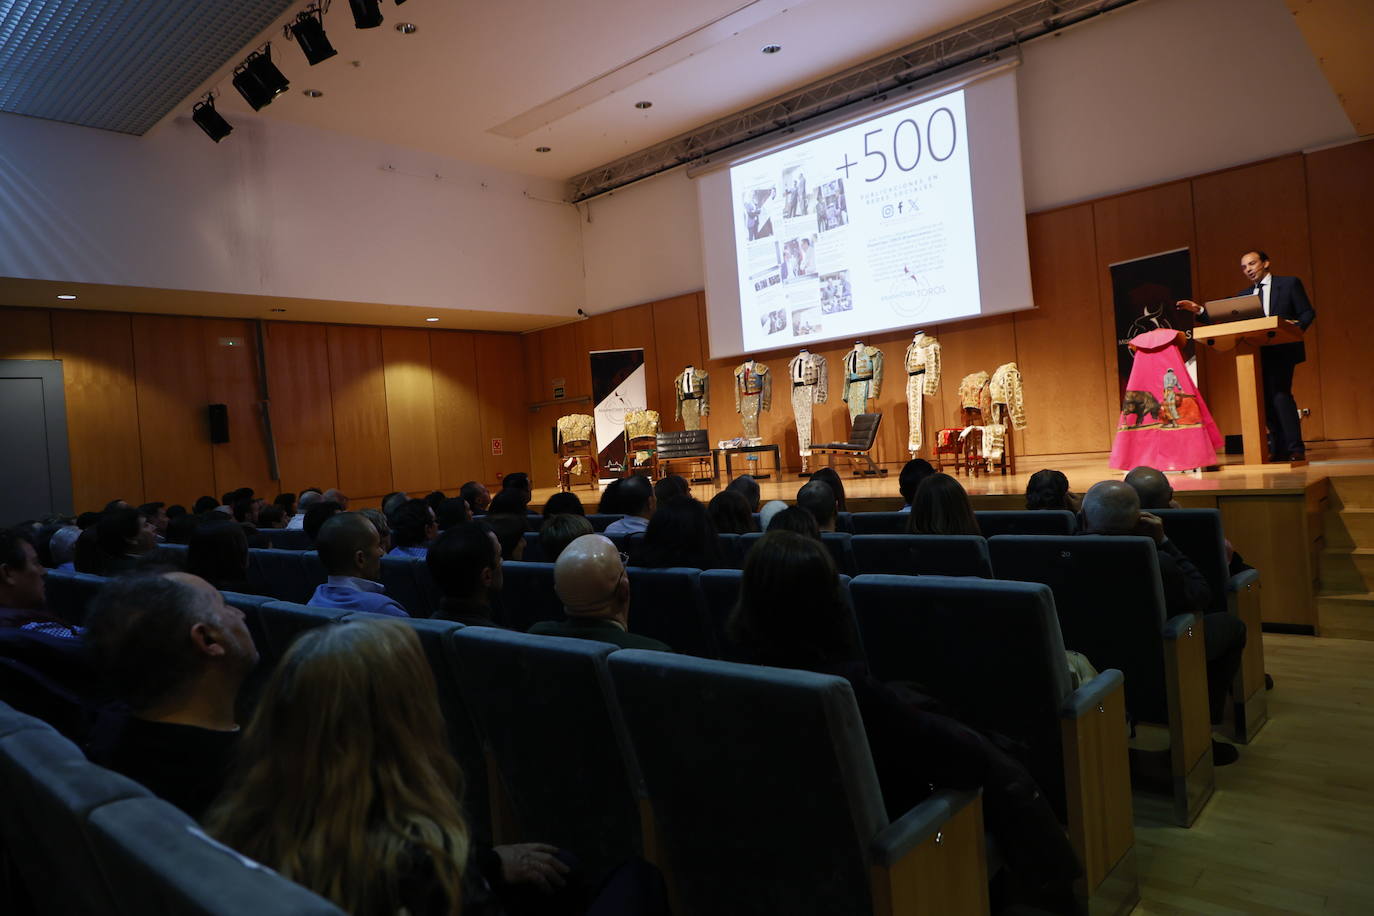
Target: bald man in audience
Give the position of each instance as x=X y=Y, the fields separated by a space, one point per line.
x=1112 y=507
x=307 y=499
x=594 y=586
x=351 y=550
x=1155 y=492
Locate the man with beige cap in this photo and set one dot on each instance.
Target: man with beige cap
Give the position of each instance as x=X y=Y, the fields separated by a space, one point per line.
x=592 y=583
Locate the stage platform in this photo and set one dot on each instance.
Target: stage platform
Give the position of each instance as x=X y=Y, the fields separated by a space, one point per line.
x=1293 y=524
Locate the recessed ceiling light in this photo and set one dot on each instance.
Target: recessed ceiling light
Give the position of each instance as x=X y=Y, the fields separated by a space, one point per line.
x=543 y=149
x=431 y=319
x=312 y=93
x=406 y=28
x=771 y=49
x=644 y=104
x=65 y=296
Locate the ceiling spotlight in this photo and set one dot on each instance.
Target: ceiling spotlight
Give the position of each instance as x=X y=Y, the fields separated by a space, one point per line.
x=208 y=120
x=70 y=296
x=771 y=49
x=311 y=93
x=643 y=105
x=258 y=80
x=367 y=14
x=406 y=28
x=431 y=319
x=543 y=149
x=308 y=30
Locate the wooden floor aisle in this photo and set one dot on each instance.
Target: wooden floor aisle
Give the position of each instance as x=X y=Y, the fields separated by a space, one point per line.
x=1291 y=826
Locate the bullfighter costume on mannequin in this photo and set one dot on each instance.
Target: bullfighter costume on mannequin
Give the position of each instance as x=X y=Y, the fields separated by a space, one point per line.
x=1164 y=421
x=1008 y=409
x=809 y=387
x=693 y=401
x=922 y=381
x=753 y=393
x=863 y=378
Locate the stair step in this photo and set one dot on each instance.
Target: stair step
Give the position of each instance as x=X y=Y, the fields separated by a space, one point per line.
x=1346 y=616
x=1349 y=528
x=1352 y=492
x=1347 y=569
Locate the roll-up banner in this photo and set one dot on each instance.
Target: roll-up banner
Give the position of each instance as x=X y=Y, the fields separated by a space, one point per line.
x=617 y=388
x=1144 y=291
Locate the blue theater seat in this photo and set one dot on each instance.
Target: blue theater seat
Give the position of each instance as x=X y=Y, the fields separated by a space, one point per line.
x=922 y=555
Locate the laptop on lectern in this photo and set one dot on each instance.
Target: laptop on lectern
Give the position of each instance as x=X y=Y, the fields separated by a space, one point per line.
x=1236 y=308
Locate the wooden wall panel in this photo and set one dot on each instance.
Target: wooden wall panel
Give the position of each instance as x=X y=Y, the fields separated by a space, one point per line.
x=97 y=353
x=596 y=333
x=503 y=404
x=1340 y=187
x=302 y=418
x=457 y=410
x=232 y=380
x=410 y=410
x=678 y=337
x=26 y=334
x=1264 y=205
x=362 y=447
x=170 y=374
x=1132 y=226
x=1059 y=344
x=633 y=328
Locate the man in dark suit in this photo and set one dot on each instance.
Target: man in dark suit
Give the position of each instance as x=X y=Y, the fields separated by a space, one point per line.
x=1285 y=298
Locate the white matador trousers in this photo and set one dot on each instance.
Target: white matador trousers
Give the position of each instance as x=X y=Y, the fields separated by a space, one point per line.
x=915 y=407
x=803 y=402
x=749 y=414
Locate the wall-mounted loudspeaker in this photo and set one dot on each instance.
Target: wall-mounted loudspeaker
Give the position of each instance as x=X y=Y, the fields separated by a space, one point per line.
x=219 y=422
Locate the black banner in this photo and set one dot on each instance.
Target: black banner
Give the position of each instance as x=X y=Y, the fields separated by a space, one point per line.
x=1144 y=291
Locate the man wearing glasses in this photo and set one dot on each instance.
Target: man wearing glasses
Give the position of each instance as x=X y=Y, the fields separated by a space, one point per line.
x=594 y=586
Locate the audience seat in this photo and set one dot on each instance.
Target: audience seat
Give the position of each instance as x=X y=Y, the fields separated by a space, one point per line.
x=289 y=575
x=668 y=605
x=844 y=522
x=157 y=860
x=720 y=588
x=69 y=594
x=406 y=579
x=551 y=727
x=51 y=678
x=837 y=542
x=282 y=622
x=527 y=596
x=880 y=522
x=763 y=790
x=287 y=538
x=1026 y=521
x=534 y=550
x=1110 y=604
x=47 y=790
x=1198 y=533
x=992 y=653
x=922 y=554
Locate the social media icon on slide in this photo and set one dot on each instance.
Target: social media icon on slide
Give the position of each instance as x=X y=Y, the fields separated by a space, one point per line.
x=888 y=211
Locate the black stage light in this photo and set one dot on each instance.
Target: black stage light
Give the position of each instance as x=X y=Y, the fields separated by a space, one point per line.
x=258 y=80
x=209 y=120
x=367 y=14
x=308 y=30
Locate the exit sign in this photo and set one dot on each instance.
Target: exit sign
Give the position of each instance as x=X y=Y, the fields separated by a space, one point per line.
x=498 y=446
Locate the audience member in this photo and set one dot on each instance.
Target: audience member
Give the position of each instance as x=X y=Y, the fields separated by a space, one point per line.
x=747 y=487
x=177 y=654
x=611 y=503
x=670 y=487
x=514 y=501
x=287 y=503
x=510 y=532
x=319 y=513
x=831 y=478
x=393 y=501
x=157 y=517
x=913 y=472
x=729 y=513
x=1049 y=489
x=434 y=498
x=816 y=497
x=180 y=529
x=564 y=504
x=636 y=498
x=345 y=784
x=797 y=520
x=218 y=553
x=941 y=507
x=681 y=534
x=308 y=498
x=560 y=530
x=114 y=505
x=62 y=547
x=594 y=586
x=246 y=510
x=452 y=512
x=86 y=557
x=465 y=564
x=338 y=497
x=378 y=520
x=272 y=517
x=123 y=536
x=87 y=520
x=517 y=481
x=412 y=528
x=792 y=614
x=350 y=550
x=1112 y=507
x=769 y=511
x=175 y=511
x=204 y=504
x=22 y=590
x=476 y=496
x=1155 y=492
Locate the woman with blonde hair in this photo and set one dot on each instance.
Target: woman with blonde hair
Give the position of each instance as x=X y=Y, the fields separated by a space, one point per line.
x=344 y=783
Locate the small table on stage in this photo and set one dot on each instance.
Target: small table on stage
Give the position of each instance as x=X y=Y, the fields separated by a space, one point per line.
x=747 y=449
x=1246 y=338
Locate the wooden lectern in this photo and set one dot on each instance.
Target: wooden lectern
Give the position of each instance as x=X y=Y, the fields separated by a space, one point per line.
x=1246 y=338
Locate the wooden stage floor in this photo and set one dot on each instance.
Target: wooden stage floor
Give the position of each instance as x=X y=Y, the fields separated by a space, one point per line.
x=996 y=491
